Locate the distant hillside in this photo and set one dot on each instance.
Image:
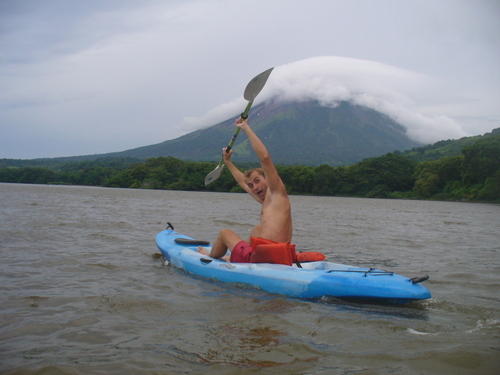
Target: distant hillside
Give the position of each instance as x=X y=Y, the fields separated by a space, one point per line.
x=450 y=147
x=71 y=162
x=295 y=134
x=311 y=134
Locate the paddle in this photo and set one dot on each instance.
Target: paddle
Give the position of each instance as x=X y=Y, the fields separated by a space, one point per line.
x=253 y=89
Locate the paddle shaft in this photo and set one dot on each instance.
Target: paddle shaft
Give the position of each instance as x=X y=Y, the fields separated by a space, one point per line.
x=244 y=116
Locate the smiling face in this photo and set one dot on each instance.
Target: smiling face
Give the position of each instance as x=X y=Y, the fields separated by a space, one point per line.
x=257 y=183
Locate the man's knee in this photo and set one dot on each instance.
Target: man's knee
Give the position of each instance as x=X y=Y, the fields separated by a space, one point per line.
x=229 y=238
x=225 y=232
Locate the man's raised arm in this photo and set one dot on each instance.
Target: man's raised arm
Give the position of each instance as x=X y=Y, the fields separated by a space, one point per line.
x=273 y=179
x=237 y=174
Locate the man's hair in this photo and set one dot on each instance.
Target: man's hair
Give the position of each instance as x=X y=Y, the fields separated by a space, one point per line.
x=258 y=170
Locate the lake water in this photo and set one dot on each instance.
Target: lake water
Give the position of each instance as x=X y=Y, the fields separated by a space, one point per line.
x=84 y=292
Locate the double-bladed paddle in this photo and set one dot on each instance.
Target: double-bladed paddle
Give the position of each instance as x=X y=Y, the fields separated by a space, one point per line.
x=253 y=89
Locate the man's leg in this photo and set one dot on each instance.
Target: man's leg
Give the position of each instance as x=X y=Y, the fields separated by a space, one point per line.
x=227 y=239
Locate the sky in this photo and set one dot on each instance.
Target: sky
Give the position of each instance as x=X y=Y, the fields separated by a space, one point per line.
x=90 y=77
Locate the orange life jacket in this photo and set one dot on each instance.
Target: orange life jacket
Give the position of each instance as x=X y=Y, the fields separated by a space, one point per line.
x=310 y=256
x=267 y=251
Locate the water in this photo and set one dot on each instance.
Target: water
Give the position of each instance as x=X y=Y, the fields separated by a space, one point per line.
x=83 y=292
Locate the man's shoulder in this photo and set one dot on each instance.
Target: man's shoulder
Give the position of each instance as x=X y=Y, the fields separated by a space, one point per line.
x=280 y=195
x=279 y=189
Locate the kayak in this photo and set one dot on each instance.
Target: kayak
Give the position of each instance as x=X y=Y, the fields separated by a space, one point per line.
x=312 y=280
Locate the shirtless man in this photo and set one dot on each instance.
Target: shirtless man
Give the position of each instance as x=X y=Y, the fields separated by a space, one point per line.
x=265 y=185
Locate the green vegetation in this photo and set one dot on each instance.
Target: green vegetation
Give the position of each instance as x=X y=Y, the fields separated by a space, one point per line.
x=441 y=149
x=472 y=175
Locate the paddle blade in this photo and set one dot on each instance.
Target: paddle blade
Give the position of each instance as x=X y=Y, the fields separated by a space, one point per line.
x=253 y=89
x=214 y=175
x=255 y=86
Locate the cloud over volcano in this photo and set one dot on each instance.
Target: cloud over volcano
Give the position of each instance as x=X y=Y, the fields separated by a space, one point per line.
x=401 y=94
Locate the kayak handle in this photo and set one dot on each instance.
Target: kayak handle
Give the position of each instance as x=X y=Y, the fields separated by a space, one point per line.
x=188 y=241
x=416 y=280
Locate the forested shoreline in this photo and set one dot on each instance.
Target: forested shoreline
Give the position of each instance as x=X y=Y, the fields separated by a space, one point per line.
x=472 y=176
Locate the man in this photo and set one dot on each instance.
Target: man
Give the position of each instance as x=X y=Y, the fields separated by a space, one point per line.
x=265 y=185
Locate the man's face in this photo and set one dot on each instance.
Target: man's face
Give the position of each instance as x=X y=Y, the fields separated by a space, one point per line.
x=258 y=184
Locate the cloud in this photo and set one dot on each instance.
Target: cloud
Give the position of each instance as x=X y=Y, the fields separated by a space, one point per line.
x=331 y=79
x=215 y=115
x=84 y=77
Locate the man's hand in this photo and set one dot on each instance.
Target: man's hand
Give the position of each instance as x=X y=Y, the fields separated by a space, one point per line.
x=240 y=123
x=227 y=155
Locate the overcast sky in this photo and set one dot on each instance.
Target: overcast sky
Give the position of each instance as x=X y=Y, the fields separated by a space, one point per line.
x=84 y=77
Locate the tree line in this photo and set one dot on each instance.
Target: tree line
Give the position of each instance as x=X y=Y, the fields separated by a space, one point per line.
x=474 y=175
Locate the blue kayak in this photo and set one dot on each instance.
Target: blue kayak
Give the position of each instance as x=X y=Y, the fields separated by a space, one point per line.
x=313 y=280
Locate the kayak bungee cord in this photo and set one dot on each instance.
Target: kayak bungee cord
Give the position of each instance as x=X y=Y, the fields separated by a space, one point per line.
x=371 y=271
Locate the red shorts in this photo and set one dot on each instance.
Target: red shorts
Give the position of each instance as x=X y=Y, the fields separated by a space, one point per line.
x=241 y=253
